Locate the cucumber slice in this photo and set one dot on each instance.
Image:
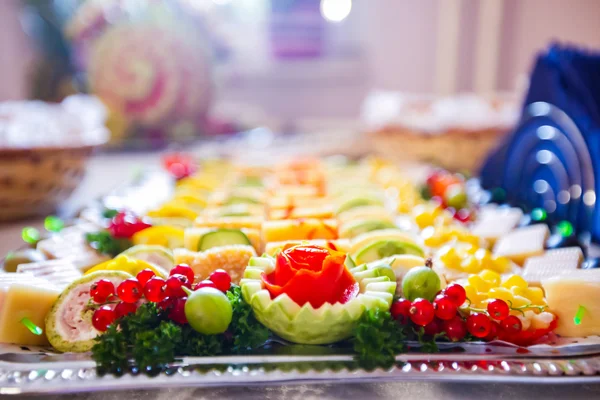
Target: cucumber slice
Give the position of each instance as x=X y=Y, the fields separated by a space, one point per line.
x=222 y=237
x=386 y=248
x=241 y=200
x=349 y=262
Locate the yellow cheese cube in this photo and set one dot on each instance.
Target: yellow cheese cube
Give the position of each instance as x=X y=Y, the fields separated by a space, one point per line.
x=565 y=295
x=300 y=229
x=25 y=301
x=252 y=222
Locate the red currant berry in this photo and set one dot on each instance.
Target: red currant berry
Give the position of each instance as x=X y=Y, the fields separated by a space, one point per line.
x=456 y=293
x=463 y=215
x=177 y=312
x=400 y=310
x=494 y=329
x=434 y=327
x=455 y=329
x=511 y=325
x=185 y=270
x=445 y=308
x=101 y=290
x=155 y=289
x=167 y=304
x=125 y=225
x=205 y=283
x=102 y=318
x=421 y=312
x=122 y=309
x=433 y=176
x=221 y=279
x=479 y=325
x=498 y=309
x=175 y=284
x=130 y=290
x=144 y=276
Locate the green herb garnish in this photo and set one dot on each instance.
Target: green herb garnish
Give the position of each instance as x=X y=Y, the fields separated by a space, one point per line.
x=247 y=332
x=105 y=243
x=378 y=339
x=149 y=341
x=109 y=213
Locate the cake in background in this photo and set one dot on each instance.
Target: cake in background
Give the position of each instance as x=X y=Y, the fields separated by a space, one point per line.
x=455 y=132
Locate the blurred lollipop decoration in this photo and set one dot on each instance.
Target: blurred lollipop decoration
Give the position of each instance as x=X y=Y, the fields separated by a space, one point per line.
x=149 y=64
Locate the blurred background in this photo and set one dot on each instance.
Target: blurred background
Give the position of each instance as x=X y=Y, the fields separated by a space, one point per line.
x=430 y=80
x=273 y=62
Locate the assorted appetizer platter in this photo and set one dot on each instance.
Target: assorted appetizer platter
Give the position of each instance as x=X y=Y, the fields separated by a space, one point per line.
x=213 y=272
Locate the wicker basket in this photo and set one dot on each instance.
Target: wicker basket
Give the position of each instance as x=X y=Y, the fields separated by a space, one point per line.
x=35 y=179
x=455 y=132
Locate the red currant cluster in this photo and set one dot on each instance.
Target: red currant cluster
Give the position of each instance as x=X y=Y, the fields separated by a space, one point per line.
x=118 y=302
x=124 y=225
x=448 y=191
x=179 y=165
x=444 y=315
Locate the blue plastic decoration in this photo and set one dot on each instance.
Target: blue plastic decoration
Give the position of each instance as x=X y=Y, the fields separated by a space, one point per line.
x=552 y=159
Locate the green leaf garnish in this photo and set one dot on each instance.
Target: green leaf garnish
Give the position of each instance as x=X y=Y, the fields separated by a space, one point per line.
x=33 y=328
x=105 y=243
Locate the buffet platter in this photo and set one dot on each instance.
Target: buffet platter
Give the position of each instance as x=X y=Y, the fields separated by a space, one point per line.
x=242 y=220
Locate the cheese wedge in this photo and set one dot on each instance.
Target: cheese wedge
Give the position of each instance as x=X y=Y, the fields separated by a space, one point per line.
x=252 y=222
x=343 y=245
x=58 y=272
x=523 y=243
x=192 y=236
x=300 y=229
x=565 y=295
x=552 y=263
x=494 y=222
x=31 y=298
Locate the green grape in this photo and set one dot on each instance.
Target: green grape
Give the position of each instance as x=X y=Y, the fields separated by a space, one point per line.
x=456 y=197
x=208 y=311
x=421 y=282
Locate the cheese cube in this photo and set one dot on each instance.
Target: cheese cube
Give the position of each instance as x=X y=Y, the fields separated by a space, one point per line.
x=253 y=222
x=494 y=222
x=552 y=263
x=58 y=272
x=522 y=243
x=26 y=300
x=300 y=229
x=565 y=295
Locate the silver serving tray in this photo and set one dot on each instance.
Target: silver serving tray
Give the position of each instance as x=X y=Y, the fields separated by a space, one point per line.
x=25 y=370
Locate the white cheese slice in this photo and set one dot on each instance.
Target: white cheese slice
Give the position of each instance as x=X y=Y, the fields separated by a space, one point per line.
x=522 y=243
x=552 y=263
x=59 y=272
x=495 y=222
